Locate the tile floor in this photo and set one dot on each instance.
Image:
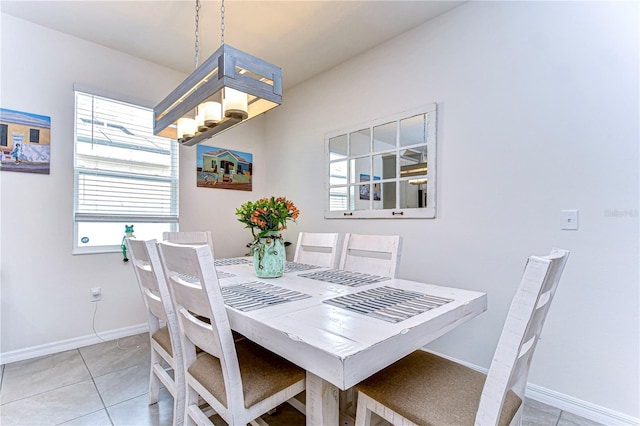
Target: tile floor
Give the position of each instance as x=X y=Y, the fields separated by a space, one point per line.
x=107 y=384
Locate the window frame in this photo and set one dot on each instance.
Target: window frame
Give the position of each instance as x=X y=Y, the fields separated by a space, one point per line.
x=4 y=135
x=168 y=223
x=34 y=136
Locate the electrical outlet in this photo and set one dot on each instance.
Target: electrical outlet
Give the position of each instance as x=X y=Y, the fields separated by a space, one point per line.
x=95 y=295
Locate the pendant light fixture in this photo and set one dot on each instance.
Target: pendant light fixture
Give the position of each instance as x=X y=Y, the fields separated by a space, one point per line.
x=230 y=87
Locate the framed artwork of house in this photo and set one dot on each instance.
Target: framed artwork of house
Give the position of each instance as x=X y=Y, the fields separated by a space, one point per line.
x=366 y=190
x=223 y=168
x=25 y=142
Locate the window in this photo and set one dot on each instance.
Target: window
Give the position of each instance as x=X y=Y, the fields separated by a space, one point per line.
x=384 y=168
x=124 y=175
x=34 y=135
x=3 y=134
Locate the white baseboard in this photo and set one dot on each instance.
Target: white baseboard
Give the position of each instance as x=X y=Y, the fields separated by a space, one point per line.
x=564 y=402
x=69 y=344
x=579 y=407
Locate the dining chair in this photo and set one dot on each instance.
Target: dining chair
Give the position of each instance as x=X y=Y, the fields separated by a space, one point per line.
x=426 y=389
x=371 y=254
x=239 y=380
x=318 y=248
x=163 y=325
x=189 y=237
x=194 y=238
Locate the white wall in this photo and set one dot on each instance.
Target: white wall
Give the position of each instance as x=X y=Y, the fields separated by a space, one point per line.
x=44 y=289
x=538 y=112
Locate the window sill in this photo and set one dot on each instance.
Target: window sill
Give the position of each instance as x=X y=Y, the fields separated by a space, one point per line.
x=95 y=250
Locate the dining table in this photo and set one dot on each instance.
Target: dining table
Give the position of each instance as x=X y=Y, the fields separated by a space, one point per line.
x=340 y=326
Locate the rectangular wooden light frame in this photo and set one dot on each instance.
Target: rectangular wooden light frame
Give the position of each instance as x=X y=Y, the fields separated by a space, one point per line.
x=227 y=67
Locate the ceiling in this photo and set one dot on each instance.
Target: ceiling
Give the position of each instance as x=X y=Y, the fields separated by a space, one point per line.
x=302 y=37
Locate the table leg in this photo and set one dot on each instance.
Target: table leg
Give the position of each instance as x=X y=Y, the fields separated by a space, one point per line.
x=322 y=402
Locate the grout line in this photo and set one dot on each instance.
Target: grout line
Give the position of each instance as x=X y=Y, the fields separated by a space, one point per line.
x=93 y=380
x=45 y=391
x=79 y=417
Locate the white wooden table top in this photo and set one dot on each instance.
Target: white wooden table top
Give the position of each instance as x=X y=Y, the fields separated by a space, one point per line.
x=340 y=346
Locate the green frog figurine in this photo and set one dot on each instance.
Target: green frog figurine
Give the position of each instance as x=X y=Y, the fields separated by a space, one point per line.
x=128 y=233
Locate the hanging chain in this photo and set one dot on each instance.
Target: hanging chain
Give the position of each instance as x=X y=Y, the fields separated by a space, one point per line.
x=197 y=44
x=222 y=22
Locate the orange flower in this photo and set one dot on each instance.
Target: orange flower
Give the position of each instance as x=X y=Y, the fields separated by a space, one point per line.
x=269 y=214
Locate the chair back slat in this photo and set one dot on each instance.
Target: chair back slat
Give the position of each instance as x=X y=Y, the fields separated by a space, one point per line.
x=189 y=238
x=142 y=264
x=202 y=334
x=181 y=265
x=192 y=278
x=317 y=248
x=188 y=293
x=371 y=254
x=147 y=277
x=559 y=259
x=534 y=328
x=155 y=304
x=510 y=366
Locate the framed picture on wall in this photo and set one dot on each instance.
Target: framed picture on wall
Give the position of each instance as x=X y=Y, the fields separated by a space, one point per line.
x=25 y=142
x=223 y=168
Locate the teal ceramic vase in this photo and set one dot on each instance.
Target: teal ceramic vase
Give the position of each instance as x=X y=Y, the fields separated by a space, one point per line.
x=269 y=257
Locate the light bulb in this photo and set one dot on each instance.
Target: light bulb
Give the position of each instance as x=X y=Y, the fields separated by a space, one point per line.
x=212 y=113
x=234 y=103
x=186 y=128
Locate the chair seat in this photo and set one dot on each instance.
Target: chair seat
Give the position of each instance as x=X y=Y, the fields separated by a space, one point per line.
x=164 y=340
x=263 y=373
x=430 y=390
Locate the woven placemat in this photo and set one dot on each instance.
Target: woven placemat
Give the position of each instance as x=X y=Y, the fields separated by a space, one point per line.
x=232 y=261
x=348 y=278
x=388 y=303
x=255 y=295
x=295 y=267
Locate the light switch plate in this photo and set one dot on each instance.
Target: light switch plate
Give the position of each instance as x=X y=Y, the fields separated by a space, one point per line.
x=569 y=219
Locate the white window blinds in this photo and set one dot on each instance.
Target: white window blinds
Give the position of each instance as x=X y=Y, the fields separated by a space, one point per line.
x=122 y=171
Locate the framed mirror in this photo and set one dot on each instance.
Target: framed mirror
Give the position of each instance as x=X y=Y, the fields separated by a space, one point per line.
x=383 y=169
